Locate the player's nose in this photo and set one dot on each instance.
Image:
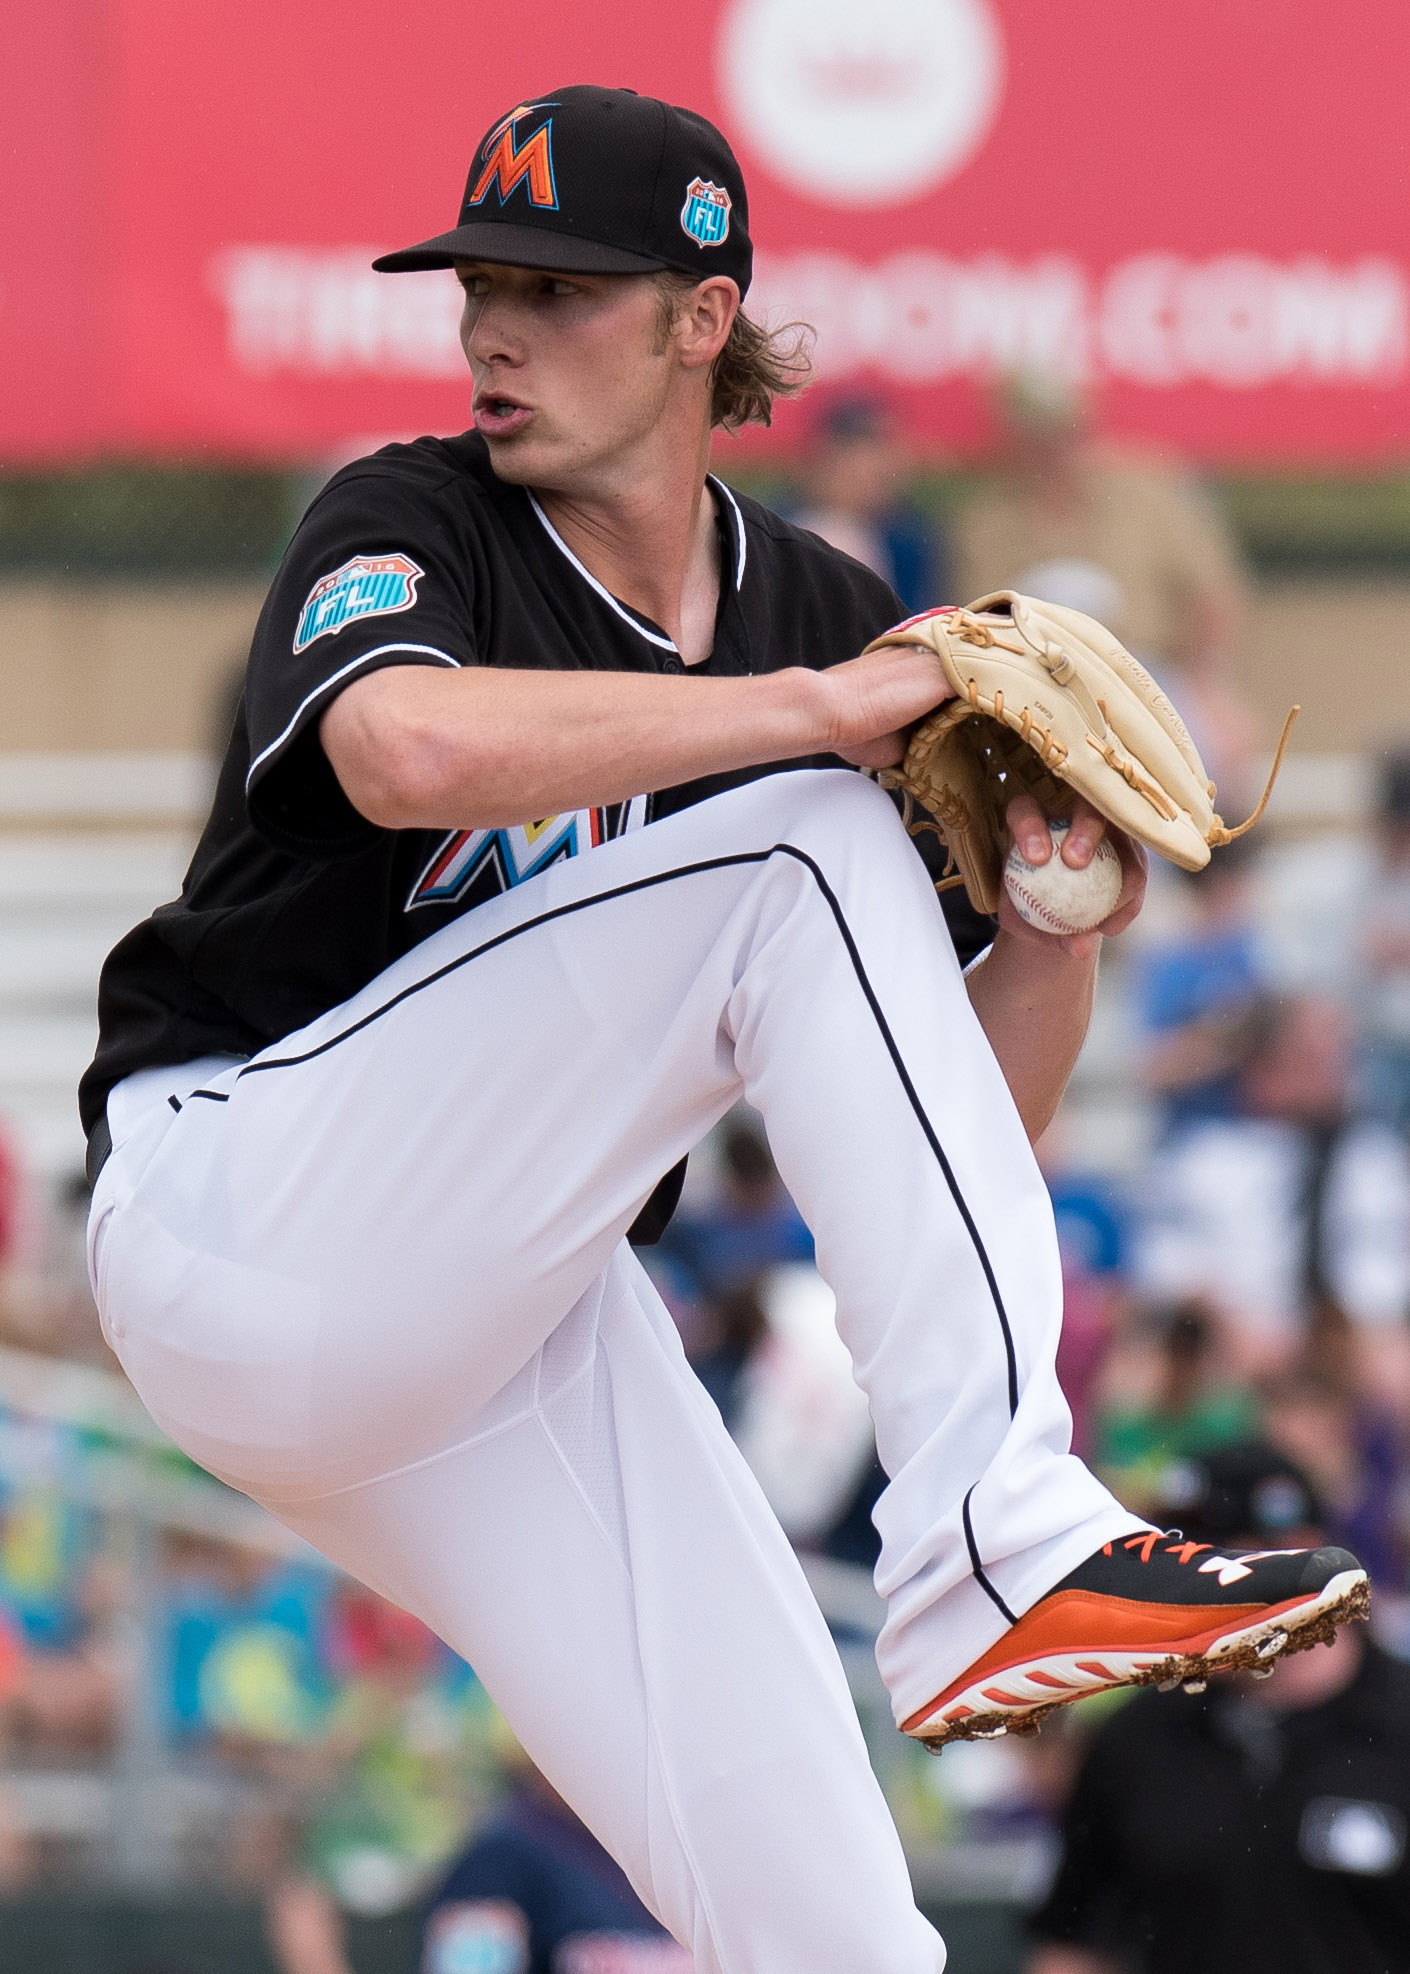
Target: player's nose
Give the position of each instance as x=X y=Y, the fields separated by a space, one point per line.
x=490 y=329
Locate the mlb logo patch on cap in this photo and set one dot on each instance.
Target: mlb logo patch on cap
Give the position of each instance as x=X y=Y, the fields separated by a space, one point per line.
x=705 y=214
x=365 y=586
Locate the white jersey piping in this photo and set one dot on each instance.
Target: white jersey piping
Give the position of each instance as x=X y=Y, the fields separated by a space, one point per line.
x=662 y=642
x=743 y=548
x=364 y=658
x=652 y=637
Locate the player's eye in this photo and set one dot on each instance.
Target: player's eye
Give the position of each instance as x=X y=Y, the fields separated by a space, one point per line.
x=563 y=288
x=476 y=285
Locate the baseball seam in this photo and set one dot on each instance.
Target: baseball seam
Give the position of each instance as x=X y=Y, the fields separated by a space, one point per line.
x=1038 y=911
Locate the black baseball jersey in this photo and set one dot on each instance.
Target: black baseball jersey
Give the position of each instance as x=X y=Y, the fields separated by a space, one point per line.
x=1213 y=1835
x=419 y=555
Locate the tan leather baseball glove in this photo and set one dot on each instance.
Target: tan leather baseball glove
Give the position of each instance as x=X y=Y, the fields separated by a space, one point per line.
x=1048 y=703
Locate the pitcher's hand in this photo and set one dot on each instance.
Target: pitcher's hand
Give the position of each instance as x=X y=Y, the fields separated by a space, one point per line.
x=1028 y=829
x=879 y=698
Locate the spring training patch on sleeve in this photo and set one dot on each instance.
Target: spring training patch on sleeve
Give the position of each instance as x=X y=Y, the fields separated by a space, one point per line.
x=365 y=586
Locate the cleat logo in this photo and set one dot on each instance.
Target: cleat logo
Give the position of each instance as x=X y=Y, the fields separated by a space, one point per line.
x=1231 y=1569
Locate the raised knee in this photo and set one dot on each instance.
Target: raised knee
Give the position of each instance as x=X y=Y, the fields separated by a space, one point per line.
x=831 y=800
x=831 y=810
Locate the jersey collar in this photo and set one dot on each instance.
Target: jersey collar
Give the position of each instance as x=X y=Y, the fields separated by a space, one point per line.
x=728 y=508
x=734 y=527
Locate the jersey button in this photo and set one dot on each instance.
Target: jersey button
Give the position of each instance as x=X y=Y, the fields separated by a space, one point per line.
x=671 y=663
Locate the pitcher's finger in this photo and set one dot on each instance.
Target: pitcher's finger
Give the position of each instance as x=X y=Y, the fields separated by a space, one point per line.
x=1028 y=829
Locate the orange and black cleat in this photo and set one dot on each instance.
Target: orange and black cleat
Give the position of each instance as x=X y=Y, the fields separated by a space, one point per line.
x=1148 y=1610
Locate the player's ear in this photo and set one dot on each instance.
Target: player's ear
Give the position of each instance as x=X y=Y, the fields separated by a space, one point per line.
x=704 y=321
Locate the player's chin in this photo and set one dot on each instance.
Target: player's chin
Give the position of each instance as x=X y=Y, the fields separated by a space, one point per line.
x=532 y=456
x=515 y=457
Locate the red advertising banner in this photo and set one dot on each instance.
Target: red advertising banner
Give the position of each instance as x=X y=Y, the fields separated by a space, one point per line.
x=1201 y=206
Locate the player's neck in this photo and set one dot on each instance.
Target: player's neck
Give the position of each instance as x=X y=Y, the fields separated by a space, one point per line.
x=648 y=534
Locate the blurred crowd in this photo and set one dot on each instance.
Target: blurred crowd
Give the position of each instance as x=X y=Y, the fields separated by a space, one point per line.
x=1231 y=1180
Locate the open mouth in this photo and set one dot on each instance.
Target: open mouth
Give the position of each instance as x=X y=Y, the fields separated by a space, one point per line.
x=500 y=417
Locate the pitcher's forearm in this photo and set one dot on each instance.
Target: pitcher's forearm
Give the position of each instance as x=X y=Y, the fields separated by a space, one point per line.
x=1034 y=1002
x=421 y=748
x=416 y=748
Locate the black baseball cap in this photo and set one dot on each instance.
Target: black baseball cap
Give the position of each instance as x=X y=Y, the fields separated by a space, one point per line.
x=1246 y=1489
x=598 y=181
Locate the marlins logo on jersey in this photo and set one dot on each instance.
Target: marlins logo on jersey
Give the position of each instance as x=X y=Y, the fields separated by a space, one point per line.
x=705 y=214
x=366 y=586
x=471 y=865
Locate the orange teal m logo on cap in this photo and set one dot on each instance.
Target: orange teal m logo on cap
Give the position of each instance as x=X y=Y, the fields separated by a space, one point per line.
x=508 y=164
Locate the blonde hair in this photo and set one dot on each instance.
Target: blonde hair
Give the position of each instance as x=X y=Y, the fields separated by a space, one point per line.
x=756 y=364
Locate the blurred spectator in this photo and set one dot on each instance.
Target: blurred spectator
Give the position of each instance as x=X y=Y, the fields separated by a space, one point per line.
x=64 y=1704
x=12 y=1656
x=1350 y=1242
x=1202 y=995
x=1167 y=1393
x=17 y=1233
x=304 y=1929
x=56 y=1596
x=1249 y=1494
x=1383 y=1002
x=1090 y=1312
x=760 y=1330
x=14 y=1852
x=855 y=497
x=244 y=1635
x=368 y=1742
x=1320 y=1415
x=710 y=1261
x=1091 y=1218
x=405 y=1760
x=46 y=1304
x=535 y=1893
x=48 y=1546
x=750 y=1225
x=411 y=1749
x=9 y=1204
x=801 y=1420
x=1255 y=1828
x=1129 y=539
x=1093 y=1230
x=853 y=1537
x=1292 y=1202
x=730 y=1328
x=1061 y=495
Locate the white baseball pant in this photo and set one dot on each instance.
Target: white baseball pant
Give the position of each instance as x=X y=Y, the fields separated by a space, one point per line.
x=377 y=1278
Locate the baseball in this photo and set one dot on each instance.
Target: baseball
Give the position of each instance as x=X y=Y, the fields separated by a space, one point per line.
x=1055 y=897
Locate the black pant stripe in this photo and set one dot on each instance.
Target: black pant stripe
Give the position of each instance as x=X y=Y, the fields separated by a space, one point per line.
x=980 y=1578
x=913 y=1097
